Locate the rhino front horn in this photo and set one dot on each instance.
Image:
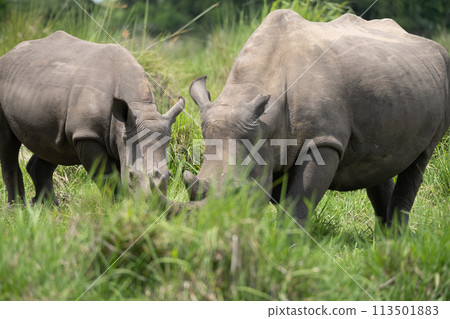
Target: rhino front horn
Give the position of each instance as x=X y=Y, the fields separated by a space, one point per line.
x=171 y=207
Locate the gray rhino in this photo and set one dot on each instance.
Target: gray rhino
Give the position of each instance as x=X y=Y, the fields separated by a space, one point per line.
x=72 y=102
x=372 y=99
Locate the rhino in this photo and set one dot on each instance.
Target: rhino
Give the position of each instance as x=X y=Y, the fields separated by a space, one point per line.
x=71 y=102
x=370 y=101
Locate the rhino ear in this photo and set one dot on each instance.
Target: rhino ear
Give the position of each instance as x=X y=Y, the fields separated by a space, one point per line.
x=257 y=105
x=171 y=115
x=120 y=110
x=200 y=94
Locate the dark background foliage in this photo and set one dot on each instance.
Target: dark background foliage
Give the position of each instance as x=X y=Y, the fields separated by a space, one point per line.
x=417 y=16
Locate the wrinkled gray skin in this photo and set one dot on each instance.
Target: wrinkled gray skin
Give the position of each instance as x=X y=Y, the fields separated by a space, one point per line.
x=376 y=104
x=75 y=102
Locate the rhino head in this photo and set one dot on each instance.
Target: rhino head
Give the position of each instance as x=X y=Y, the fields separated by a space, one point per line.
x=236 y=127
x=142 y=137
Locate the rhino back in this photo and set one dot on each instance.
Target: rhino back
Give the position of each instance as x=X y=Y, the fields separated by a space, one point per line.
x=56 y=90
x=376 y=93
x=392 y=88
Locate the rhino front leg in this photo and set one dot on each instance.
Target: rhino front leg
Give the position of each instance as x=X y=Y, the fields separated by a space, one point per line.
x=380 y=196
x=41 y=173
x=406 y=188
x=105 y=170
x=9 y=153
x=309 y=182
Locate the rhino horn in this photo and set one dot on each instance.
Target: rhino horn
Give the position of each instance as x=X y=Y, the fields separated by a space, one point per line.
x=172 y=207
x=200 y=94
x=172 y=113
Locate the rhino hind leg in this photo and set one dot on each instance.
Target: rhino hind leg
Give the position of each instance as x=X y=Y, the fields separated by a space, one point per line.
x=406 y=188
x=41 y=173
x=9 y=159
x=380 y=196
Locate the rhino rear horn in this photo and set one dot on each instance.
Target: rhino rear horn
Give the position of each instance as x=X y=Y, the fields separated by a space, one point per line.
x=199 y=93
x=171 y=115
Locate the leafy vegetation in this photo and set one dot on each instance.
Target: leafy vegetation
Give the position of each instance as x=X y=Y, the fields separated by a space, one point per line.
x=234 y=248
x=417 y=16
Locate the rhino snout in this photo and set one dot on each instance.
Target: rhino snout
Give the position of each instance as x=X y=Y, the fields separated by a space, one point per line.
x=197 y=189
x=140 y=180
x=161 y=180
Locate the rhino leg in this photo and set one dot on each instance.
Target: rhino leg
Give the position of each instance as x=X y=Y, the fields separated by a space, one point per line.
x=406 y=188
x=9 y=159
x=379 y=196
x=41 y=173
x=105 y=170
x=310 y=181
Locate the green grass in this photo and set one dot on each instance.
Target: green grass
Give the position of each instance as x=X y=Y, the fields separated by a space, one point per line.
x=234 y=248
